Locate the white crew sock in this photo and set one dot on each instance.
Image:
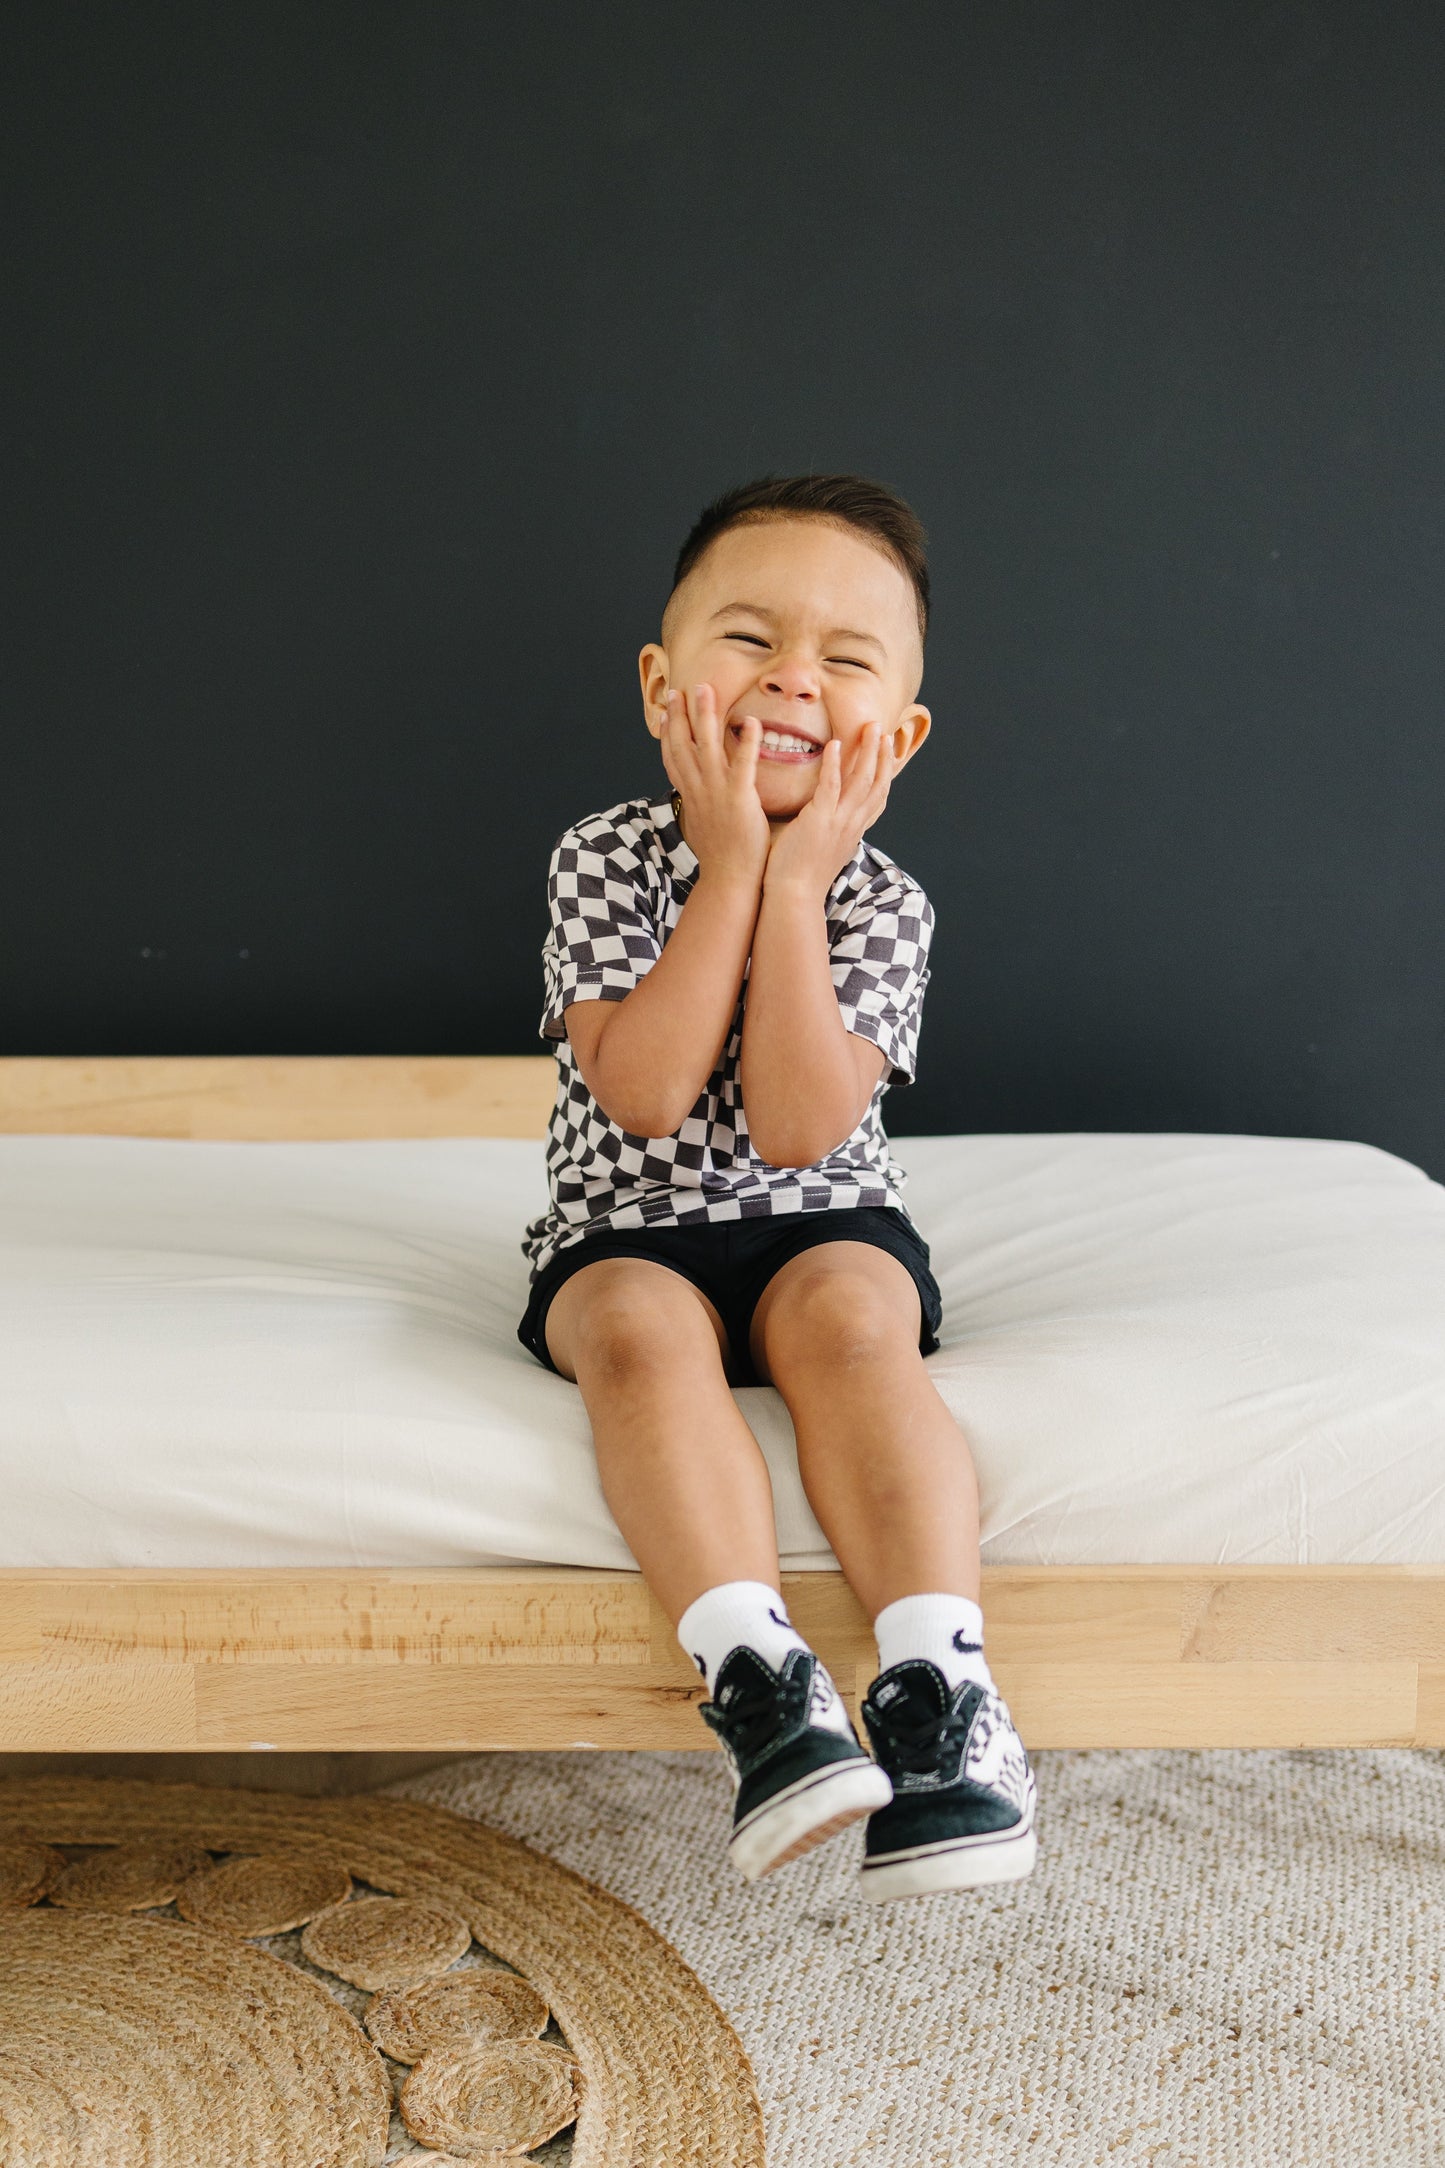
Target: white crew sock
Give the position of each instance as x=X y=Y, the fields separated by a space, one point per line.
x=948 y=1630
x=749 y=1613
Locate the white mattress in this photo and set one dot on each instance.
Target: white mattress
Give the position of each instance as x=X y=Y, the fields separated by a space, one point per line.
x=1193 y=1348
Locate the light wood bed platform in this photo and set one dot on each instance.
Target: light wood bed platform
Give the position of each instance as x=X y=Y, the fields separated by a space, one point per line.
x=460 y=1658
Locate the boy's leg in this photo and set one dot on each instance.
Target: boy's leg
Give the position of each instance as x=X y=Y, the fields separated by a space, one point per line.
x=891 y=1480
x=682 y=1473
x=688 y=1487
x=885 y=1466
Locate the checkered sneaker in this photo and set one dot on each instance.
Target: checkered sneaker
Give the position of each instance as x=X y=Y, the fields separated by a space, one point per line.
x=962 y=1812
x=800 y=1773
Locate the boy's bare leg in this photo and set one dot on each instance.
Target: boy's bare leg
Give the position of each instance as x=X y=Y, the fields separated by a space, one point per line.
x=682 y=1473
x=688 y=1487
x=891 y=1479
x=885 y=1466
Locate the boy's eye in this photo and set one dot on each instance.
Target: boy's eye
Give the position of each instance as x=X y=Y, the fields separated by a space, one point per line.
x=749 y=636
x=856 y=660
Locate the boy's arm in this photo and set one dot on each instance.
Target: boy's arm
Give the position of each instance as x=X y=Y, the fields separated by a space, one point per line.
x=646 y=1059
x=806 y=1080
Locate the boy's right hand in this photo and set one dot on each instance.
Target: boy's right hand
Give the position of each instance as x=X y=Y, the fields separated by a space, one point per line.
x=716 y=776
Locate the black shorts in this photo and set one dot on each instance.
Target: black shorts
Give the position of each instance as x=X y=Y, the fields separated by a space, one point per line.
x=732 y=1262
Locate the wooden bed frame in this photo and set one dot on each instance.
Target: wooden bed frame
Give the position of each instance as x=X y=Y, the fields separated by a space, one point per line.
x=470 y=1658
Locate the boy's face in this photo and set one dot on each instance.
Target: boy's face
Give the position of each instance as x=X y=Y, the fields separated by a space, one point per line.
x=809 y=628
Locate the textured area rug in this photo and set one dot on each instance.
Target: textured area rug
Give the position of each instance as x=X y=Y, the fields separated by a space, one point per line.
x=1221 y=1958
x=157 y=2011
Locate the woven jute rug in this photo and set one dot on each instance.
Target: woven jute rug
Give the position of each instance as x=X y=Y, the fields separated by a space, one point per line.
x=243 y=1979
x=1221 y=1960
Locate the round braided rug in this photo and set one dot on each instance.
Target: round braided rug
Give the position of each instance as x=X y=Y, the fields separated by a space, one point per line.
x=145 y=2043
x=139 y=2036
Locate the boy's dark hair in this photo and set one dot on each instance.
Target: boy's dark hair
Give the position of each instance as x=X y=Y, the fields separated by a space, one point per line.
x=847 y=500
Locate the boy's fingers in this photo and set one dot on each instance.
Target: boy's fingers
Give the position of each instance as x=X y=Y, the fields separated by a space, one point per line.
x=882 y=774
x=680 y=742
x=885 y=777
x=750 y=741
x=707 y=727
x=835 y=775
x=704 y=718
x=874 y=774
x=741 y=759
x=863 y=766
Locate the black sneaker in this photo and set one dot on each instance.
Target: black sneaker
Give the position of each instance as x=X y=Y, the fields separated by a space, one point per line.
x=963 y=1792
x=800 y=1773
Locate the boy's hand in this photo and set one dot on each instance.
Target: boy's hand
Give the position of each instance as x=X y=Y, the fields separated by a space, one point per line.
x=815 y=846
x=727 y=829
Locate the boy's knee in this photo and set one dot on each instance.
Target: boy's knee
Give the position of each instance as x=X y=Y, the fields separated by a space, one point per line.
x=632 y=1329
x=835 y=1319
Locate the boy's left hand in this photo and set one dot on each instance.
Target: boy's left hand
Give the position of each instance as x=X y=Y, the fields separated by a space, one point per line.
x=817 y=843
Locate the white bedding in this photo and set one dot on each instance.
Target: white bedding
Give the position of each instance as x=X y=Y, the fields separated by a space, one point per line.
x=1188 y=1348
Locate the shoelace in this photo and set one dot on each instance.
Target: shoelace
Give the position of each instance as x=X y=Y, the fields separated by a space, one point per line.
x=919 y=1747
x=756 y=1711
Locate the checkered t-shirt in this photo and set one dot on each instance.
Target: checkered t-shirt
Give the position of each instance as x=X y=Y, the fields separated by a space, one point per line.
x=616 y=886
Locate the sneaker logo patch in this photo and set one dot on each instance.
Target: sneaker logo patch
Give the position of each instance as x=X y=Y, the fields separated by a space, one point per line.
x=995 y=1757
x=825 y=1708
x=967 y=1648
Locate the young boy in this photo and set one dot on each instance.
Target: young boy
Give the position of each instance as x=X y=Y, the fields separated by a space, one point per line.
x=734 y=978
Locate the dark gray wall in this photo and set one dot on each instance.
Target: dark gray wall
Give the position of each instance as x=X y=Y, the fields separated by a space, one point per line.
x=365 y=365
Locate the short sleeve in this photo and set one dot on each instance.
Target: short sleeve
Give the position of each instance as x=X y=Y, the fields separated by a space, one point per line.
x=880 y=968
x=602 y=939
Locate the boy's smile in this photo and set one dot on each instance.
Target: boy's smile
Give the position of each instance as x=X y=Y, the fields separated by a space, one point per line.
x=806 y=626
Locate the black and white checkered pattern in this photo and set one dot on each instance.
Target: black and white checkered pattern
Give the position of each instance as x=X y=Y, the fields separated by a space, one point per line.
x=616 y=887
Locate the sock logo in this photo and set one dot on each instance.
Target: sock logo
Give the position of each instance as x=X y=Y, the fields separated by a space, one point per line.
x=780 y=1618
x=702 y=1667
x=967 y=1648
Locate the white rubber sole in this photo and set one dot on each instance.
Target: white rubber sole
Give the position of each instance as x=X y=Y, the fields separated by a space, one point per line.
x=806 y=1814
x=1004 y=1855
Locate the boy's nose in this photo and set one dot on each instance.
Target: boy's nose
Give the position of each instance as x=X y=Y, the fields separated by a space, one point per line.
x=792 y=678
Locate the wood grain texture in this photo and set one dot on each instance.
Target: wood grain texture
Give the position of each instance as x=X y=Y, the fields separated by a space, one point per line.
x=449 y=1615
x=467 y=1659
x=277 y=1097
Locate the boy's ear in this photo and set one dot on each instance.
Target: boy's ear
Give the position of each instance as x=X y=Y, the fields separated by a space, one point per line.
x=914 y=723
x=652 y=668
